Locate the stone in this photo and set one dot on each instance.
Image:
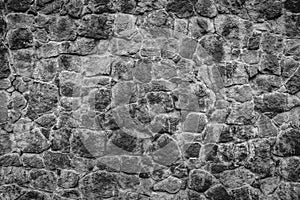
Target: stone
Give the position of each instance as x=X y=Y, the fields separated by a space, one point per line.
x=187 y=47
x=122 y=93
x=237 y=178
x=142 y=71
x=74 y=8
x=95 y=65
x=267 y=83
x=33 y=161
x=266 y=127
x=271 y=102
x=100 y=99
x=181 y=8
x=3 y=26
x=128 y=181
x=130 y=164
x=240 y=93
x=242 y=113
x=200 y=180
x=109 y=163
x=20 y=38
x=292 y=6
x=3 y=107
x=200 y=26
x=206 y=8
x=195 y=122
x=95 y=26
x=209 y=153
x=254 y=41
x=5 y=143
x=32 y=194
x=290 y=170
x=293 y=84
x=124 y=141
x=68 y=179
x=192 y=150
x=289 y=66
x=55 y=160
x=167 y=153
x=213 y=45
x=270 y=64
x=287 y=143
x=11 y=192
x=170 y=185
x=42 y=99
x=10 y=160
x=31 y=141
x=292 y=26
x=61 y=140
x=99 y=185
x=218 y=192
x=4 y=65
x=19 y=6
x=42 y=179
x=62 y=28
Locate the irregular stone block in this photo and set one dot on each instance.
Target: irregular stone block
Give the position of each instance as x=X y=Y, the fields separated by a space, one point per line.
x=187 y=47
x=195 y=122
x=206 y=8
x=20 y=38
x=200 y=180
x=170 y=185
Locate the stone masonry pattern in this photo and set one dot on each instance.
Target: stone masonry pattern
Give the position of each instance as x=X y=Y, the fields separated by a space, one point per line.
x=149 y=99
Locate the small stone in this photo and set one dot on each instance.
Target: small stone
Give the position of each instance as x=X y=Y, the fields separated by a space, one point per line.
x=20 y=38
x=122 y=93
x=266 y=127
x=195 y=122
x=200 y=180
x=170 y=185
x=34 y=195
x=125 y=141
x=289 y=67
x=209 y=153
x=68 y=179
x=188 y=47
x=206 y=8
x=100 y=99
x=292 y=26
x=200 y=26
x=5 y=143
x=99 y=185
x=3 y=107
x=213 y=45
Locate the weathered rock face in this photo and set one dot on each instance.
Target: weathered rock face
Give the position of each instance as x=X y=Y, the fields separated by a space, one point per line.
x=150 y=99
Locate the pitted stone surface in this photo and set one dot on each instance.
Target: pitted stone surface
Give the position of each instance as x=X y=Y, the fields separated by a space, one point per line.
x=149 y=99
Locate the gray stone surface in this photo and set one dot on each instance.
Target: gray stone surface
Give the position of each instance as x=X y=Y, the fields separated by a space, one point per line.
x=149 y=99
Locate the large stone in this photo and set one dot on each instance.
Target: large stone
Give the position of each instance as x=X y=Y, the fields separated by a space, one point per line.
x=55 y=160
x=170 y=185
x=200 y=180
x=290 y=169
x=288 y=143
x=293 y=84
x=4 y=65
x=206 y=8
x=292 y=6
x=19 y=5
x=42 y=179
x=20 y=38
x=236 y=178
x=99 y=185
x=62 y=28
x=187 y=47
x=195 y=122
x=181 y=8
x=68 y=179
x=271 y=103
x=95 y=26
x=142 y=71
x=42 y=98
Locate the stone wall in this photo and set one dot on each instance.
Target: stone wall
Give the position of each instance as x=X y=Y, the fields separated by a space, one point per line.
x=149 y=99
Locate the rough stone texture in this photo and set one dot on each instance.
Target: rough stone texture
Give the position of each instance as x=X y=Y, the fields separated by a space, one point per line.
x=150 y=99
